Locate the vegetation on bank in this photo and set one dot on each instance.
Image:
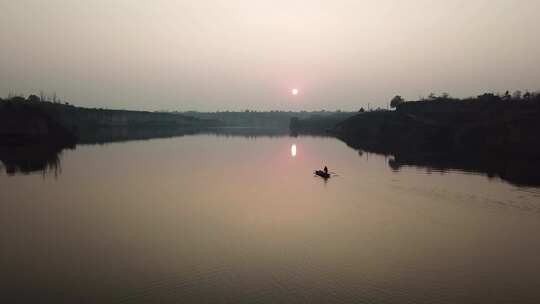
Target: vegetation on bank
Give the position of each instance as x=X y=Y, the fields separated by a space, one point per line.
x=265 y=119
x=516 y=96
x=246 y=118
x=37 y=118
x=490 y=124
x=494 y=133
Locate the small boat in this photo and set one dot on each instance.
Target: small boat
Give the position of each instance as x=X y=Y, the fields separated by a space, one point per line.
x=322 y=174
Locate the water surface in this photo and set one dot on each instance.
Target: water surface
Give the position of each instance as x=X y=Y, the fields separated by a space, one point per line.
x=242 y=219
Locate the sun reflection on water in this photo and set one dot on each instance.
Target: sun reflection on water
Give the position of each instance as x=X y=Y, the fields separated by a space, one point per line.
x=293 y=150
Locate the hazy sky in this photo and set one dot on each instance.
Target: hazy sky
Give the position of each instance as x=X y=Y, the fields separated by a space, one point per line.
x=237 y=54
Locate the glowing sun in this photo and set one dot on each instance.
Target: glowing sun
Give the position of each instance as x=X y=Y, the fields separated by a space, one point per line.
x=294 y=91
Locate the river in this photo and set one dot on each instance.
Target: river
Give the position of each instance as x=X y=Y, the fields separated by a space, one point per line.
x=207 y=218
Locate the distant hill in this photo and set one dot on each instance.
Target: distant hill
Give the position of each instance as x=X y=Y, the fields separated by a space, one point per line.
x=267 y=119
x=317 y=123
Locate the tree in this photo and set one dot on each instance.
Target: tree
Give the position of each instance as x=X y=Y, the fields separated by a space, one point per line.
x=527 y=96
x=396 y=101
x=18 y=99
x=489 y=97
x=535 y=96
x=507 y=96
x=516 y=95
x=33 y=98
x=362 y=110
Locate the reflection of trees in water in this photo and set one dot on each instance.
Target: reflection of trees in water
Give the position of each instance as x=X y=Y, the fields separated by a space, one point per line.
x=516 y=171
x=395 y=166
x=249 y=133
x=253 y=133
x=122 y=134
x=521 y=172
x=110 y=135
x=46 y=157
x=32 y=158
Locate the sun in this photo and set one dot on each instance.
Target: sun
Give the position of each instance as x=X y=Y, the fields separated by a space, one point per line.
x=294 y=91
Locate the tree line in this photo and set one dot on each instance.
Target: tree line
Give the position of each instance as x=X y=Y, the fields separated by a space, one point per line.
x=516 y=96
x=33 y=98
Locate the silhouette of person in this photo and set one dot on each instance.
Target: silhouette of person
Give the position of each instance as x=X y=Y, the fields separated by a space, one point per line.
x=325 y=170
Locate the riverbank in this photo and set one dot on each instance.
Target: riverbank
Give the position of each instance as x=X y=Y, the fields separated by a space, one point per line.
x=478 y=126
x=500 y=129
x=25 y=121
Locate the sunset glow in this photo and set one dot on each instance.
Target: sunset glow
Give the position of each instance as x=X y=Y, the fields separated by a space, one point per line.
x=294 y=91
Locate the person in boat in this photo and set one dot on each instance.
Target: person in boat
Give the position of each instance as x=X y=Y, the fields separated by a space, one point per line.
x=325 y=170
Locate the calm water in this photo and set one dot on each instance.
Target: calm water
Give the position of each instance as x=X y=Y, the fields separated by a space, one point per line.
x=216 y=219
